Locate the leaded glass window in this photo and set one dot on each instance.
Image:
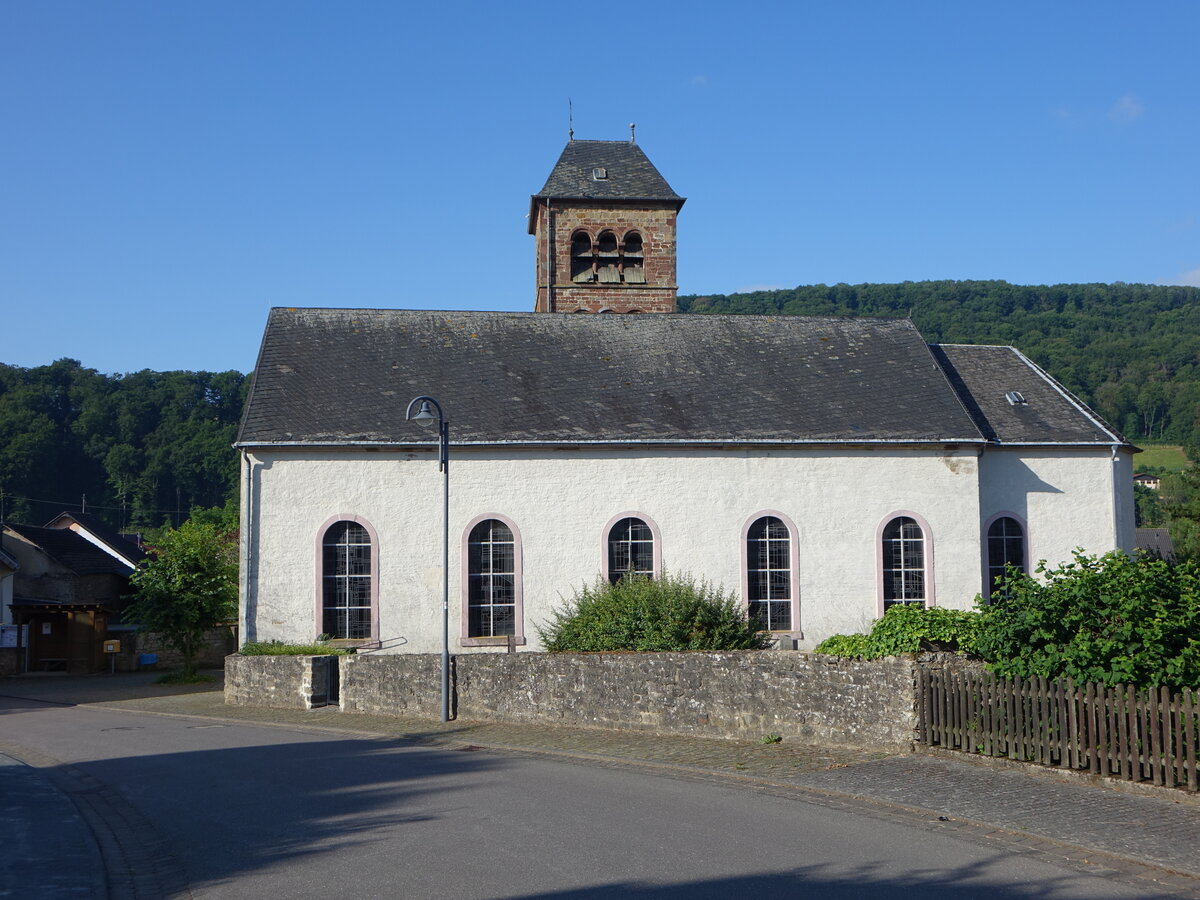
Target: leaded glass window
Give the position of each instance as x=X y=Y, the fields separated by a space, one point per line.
x=903 y=562
x=1005 y=547
x=630 y=550
x=491 y=580
x=346 y=577
x=769 y=574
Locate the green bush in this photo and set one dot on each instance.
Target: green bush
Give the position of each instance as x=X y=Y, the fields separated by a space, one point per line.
x=1113 y=619
x=672 y=612
x=908 y=629
x=278 y=648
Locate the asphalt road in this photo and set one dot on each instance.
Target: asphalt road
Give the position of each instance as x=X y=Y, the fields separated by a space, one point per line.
x=204 y=809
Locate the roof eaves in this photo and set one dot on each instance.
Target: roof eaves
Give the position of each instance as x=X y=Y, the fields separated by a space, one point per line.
x=631 y=442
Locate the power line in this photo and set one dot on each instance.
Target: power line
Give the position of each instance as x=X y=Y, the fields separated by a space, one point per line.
x=72 y=504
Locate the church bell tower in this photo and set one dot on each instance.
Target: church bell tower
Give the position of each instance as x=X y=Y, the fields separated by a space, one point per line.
x=604 y=225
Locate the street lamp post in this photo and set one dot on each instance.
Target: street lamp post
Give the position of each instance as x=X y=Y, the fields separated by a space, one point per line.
x=424 y=416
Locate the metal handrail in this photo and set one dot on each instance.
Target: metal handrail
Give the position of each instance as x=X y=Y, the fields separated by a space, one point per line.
x=382 y=644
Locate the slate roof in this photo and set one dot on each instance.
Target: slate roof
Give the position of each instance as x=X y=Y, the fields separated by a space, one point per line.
x=101 y=531
x=1157 y=542
x=343 y=376
x=631 y=175
x=984 y=375
x=77 y=553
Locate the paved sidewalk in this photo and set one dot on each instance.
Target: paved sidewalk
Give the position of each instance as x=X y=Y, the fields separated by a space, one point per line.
x=1147 y=835
x=43 y=830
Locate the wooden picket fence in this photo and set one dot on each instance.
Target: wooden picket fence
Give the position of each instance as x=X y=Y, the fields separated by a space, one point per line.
x=1136 y=735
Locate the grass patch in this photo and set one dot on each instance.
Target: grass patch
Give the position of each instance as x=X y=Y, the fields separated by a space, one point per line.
x=184 y=678
x=1160 y=456
x=278 y=648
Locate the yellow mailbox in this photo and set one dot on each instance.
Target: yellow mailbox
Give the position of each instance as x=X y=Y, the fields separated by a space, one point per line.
x=112 y=646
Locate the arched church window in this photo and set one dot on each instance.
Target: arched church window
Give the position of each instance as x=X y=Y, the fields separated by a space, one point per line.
x=630 y=549
x=903 y=546
x=491 y=580
x=1005 y=547
x=346 y=580
x=769 y=574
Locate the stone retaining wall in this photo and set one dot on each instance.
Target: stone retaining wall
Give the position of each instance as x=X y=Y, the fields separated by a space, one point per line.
x=279 y=682
x=747 y=694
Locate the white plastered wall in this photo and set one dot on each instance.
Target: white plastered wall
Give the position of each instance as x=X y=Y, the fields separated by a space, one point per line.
x=700 y=500
x=1069 y=498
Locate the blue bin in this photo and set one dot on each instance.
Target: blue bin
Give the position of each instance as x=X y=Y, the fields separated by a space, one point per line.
x=147 y=659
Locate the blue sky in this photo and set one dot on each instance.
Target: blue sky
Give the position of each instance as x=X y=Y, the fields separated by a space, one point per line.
x=172 y=170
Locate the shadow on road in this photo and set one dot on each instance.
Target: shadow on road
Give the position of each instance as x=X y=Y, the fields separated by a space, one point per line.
x=967 y=882
x=216 y=813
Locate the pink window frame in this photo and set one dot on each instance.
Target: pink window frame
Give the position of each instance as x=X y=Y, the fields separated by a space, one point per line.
x=464 y=638
x=654 y=532
x=796 y=631
x=927 y=558
x=983 y=540
x=319 y=611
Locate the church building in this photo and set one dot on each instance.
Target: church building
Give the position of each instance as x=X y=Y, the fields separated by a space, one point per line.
x=820 y=468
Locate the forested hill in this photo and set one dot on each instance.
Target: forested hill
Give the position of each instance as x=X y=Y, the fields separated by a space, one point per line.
x=1132 y=351
x=146 y=446
x=141 y=446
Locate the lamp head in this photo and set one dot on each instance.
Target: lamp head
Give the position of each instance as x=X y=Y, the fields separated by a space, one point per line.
x=424 y=416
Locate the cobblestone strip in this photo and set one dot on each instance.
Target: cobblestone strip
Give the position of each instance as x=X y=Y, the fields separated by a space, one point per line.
x=138 y=864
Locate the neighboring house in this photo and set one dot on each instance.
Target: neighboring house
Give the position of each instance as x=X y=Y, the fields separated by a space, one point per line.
x=822 y=469
x=1145 y=480
x=8 y=568
x=69 y=588
x=1156 y=542
x=126 y=549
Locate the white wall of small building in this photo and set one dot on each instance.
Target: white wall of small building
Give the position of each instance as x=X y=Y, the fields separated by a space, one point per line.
x=1069 y=499
x=700 y=501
